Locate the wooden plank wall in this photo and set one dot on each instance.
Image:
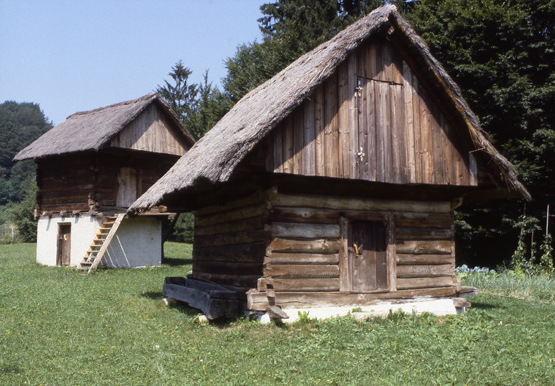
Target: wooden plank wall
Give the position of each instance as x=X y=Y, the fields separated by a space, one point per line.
x=151 y=131
x=372 y=120
x=230 y=242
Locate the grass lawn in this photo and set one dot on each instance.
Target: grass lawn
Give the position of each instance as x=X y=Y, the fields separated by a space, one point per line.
x=61 y=327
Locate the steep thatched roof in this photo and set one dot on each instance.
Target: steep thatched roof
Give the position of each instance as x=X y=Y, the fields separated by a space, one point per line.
x=213 y=158
x=92 y=130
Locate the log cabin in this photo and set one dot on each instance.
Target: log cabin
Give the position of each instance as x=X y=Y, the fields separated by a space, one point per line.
x=335 y=182
x=90 y=169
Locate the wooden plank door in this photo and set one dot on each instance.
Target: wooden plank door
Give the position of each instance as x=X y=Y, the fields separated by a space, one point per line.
x=64 y=244
x=368 y=256
x=127 y=187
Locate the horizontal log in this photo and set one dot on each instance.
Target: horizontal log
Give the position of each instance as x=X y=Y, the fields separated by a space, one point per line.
x=82 y=207
x=409 y=259
x=305 y=246
x=224 y=279
x=231 y=215
x=58 y=186
x=308 y=231
x=304 y=258
x=231 y=238
x=66 y=194
x=425 y=270
x=423 y=234
x=424 y=282
x=235 y=253
x=226 y=267
x=258 y=197
x=258 y=301
x=299 y=215
x=232 y=226
x=324 y=216
x=424 y=247
x=425 y=220
x=302 y=270
x=305 y=284
x=343 y=203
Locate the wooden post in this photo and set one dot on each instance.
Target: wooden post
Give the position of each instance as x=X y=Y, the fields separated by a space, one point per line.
x=547 y=222
x=344 y=269
x=391 y=253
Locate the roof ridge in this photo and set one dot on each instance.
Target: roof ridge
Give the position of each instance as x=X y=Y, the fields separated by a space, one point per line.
x=150 y=95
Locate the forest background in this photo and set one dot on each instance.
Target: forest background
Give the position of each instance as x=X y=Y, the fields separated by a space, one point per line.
x=502 y=55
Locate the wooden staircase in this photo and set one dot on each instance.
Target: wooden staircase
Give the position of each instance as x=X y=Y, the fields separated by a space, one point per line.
x=100 y=243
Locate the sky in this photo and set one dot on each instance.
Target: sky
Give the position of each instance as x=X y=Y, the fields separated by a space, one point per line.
x=78 y=55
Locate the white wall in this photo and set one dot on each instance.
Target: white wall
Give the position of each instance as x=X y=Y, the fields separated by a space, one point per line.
x=138 y=241
x=83 y=229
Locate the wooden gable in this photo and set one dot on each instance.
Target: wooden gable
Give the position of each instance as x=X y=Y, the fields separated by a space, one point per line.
x=372 y=120
x=152 y=131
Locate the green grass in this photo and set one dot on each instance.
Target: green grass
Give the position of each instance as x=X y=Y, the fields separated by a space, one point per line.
x=539 y=287
x=61 y=327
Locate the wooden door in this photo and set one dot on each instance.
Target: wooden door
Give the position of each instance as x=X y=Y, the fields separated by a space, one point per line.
x=368 y=256
x=64 y=244
x=127 y=187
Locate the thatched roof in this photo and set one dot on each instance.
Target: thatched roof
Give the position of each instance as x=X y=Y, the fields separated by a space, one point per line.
x=92 y=130
x=213 y=158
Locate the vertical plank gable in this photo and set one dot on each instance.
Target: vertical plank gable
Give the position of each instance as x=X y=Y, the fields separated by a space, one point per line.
x=152 y=131
x=372 y=120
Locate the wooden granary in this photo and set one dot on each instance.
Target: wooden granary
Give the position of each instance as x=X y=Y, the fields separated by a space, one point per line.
x=334 y=183
x=90 y=169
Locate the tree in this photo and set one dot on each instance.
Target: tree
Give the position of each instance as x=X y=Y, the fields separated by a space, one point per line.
x=198 y=106
x=22 y=215
x=20 y=124
x=181 y=95
x=208 y=108
x=289 y=28
x=502 y=55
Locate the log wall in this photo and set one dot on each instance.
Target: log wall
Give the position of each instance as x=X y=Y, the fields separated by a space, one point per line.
x=308 y=253
x=65 y=183
x=372 y=120
x=77 y=182
x=230 y=242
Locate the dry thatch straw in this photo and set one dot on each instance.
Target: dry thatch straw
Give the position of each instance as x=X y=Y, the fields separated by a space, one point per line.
x=213 y=158
x=92 y=130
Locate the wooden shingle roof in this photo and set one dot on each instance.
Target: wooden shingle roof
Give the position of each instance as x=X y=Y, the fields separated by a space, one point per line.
x=214 y=158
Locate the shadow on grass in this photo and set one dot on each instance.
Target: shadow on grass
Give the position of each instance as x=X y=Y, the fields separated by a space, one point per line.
x=485 y=306
x=10 y=369
x=177 y=262
x=183 y=307
x=153 y=295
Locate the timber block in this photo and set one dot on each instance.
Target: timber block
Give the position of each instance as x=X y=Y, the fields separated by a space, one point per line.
x=276 y=313
x=467 y=291
x=461 y=303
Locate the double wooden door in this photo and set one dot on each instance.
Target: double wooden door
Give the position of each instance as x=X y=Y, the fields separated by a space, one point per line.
x=368 y=256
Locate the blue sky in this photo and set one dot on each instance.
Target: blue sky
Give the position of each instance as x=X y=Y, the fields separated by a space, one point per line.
x=77 y=55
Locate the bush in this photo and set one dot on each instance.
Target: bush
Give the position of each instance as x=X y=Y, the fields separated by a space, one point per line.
x=183 y=230
x=22 y=214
